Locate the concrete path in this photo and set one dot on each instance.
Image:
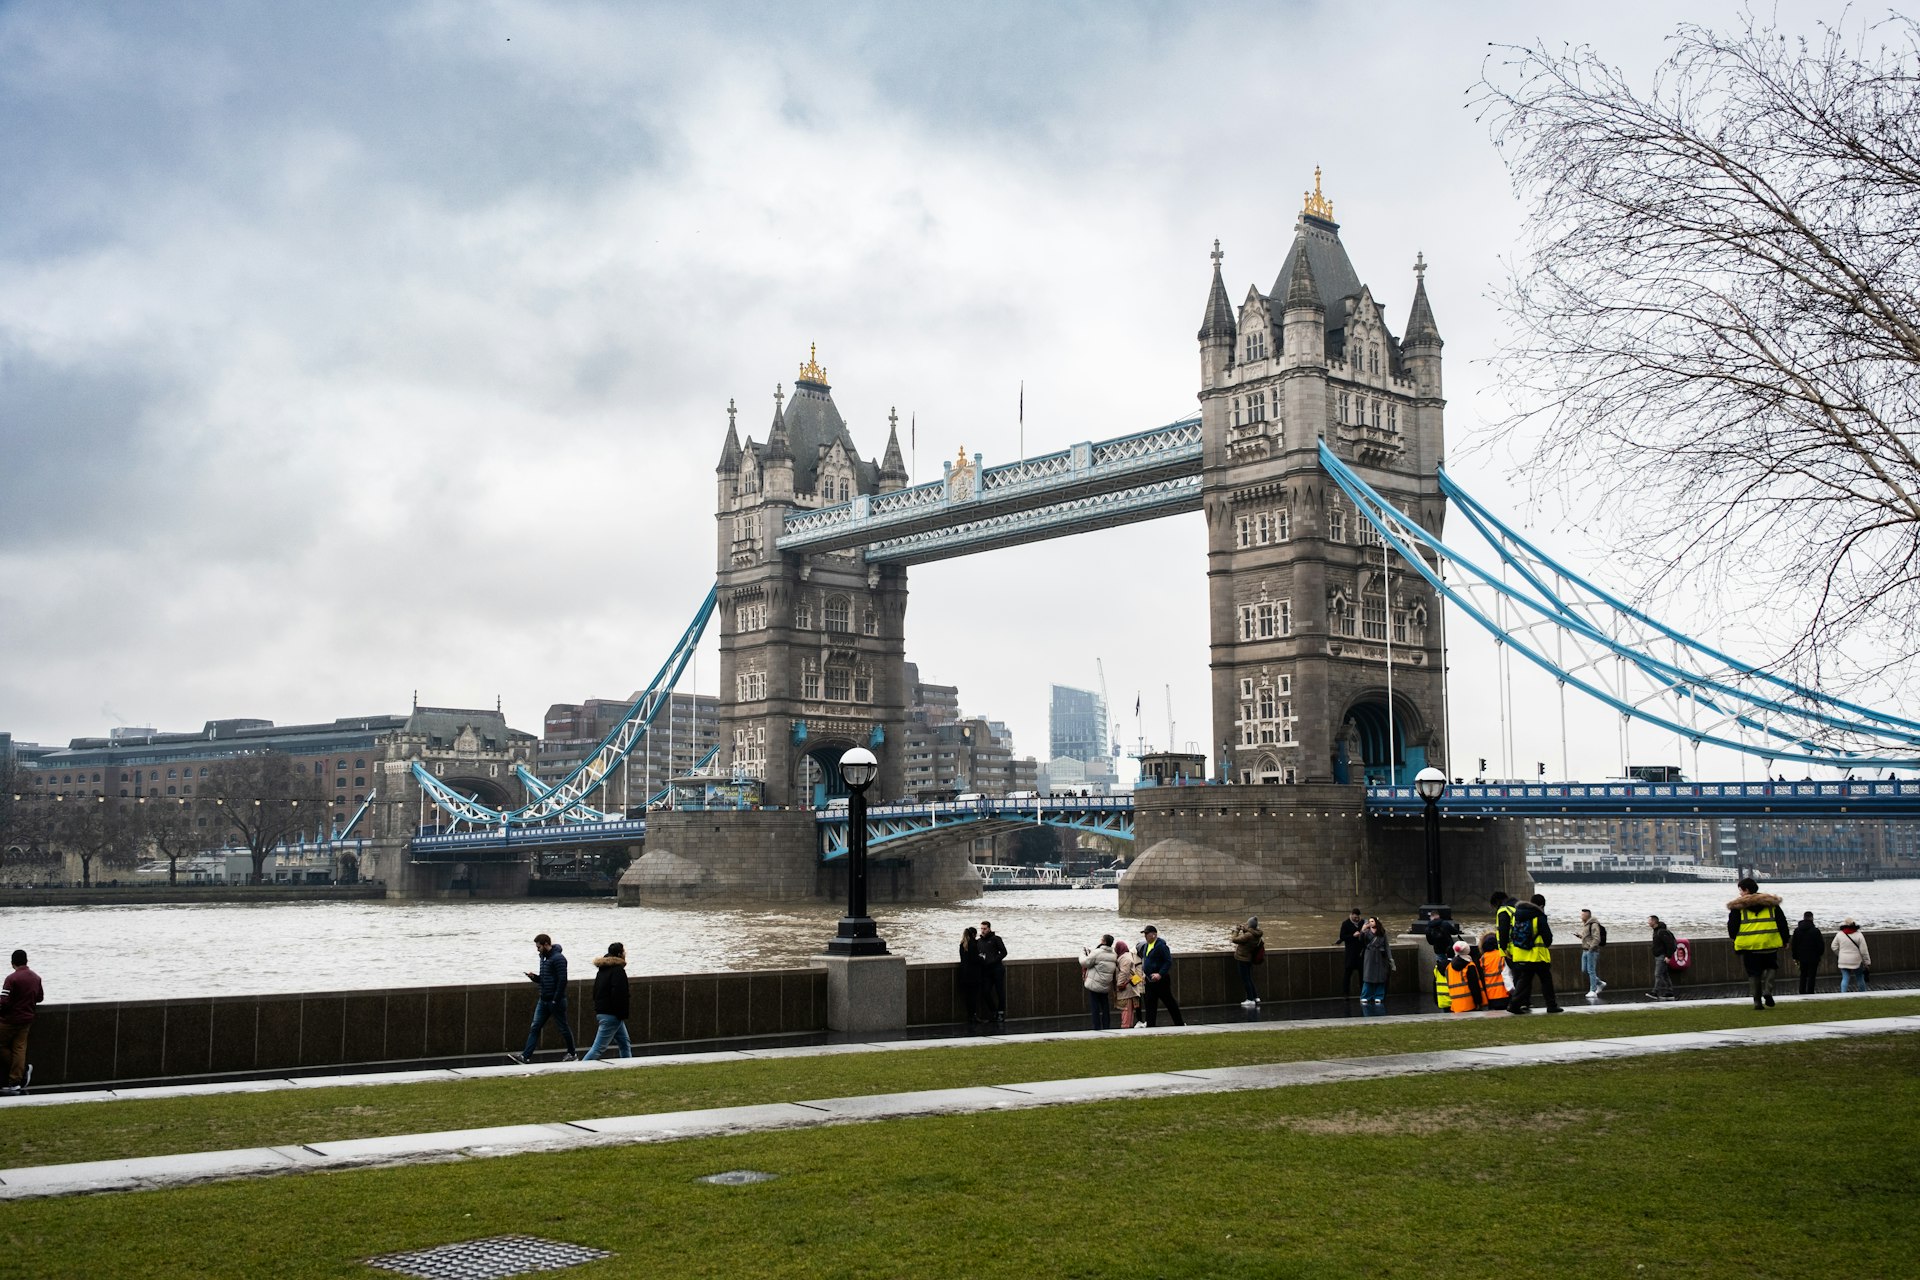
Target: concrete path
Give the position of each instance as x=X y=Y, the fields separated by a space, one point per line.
x=152 y=1172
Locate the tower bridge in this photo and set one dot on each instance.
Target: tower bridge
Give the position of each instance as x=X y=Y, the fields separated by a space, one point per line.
x=1316 y=459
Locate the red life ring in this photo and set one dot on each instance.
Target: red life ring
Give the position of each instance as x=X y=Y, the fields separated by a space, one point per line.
x=1682 y=957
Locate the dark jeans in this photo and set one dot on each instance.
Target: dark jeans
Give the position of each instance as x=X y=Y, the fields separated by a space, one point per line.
x=1246 y=980
x=973 y=991
x=1524 y=974
x=1809 y=971
x=1162 y=991
x=997 y=985
x=1760 y=967
x=1098 y=1003
x=542 y=1010
x=1662 y=977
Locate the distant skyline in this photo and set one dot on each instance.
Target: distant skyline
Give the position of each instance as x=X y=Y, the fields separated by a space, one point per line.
x=377 y=348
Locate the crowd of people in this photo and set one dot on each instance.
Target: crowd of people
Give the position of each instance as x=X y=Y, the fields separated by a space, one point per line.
x=1133 y=981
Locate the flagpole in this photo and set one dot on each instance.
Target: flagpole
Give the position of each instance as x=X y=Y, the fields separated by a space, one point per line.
x=913 y=447
x=1023 y=419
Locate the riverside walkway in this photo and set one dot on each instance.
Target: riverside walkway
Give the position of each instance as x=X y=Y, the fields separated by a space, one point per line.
x=174 y=1170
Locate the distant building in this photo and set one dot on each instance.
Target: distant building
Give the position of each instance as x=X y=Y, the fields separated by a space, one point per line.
x=1077 y=724
x=1064 y=775
x=948 y=754
x=930 y=704
x=681 y=734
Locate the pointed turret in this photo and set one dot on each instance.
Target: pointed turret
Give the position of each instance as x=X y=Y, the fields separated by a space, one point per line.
x=1217 y=327
x=1302 y=289
x=1421 y=330
x=776 y=461
x=893 y=467
x=730 y=451
x=778 y=448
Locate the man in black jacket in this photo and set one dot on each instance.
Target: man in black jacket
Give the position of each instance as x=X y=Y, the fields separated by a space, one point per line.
x=1356 y=945
x=1809 y=949
x=1664 y=945
x=994 y=953
x=552 y=981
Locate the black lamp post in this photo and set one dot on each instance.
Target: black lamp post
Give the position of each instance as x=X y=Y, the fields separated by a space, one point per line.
x=1432 y=784
x=857 y=936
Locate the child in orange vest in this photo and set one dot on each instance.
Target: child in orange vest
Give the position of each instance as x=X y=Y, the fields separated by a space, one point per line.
x=1493 y=972
x=1466 y=991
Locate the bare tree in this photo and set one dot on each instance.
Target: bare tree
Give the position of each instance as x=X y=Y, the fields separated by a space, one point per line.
x=1717 y=318
x=262 y=799
x=171 y=830
x=23 y=828
x=99 y=828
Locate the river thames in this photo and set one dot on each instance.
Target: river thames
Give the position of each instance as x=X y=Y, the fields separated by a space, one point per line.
x=157 y=952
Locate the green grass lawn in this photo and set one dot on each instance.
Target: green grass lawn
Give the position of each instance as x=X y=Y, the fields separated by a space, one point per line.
x=1775 y=1161
x=111 y=1130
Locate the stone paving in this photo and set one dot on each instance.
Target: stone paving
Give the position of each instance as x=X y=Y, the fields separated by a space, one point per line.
x=175 y=1170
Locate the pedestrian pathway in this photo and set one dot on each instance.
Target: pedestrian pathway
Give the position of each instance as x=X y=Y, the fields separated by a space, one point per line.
x=153 y=1172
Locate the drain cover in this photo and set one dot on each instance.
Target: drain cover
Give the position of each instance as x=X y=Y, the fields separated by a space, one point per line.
x=488 y=1259
x=738 y=1177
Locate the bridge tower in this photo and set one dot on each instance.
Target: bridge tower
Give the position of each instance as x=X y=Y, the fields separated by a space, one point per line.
x=1303 y=612
x=812 y=645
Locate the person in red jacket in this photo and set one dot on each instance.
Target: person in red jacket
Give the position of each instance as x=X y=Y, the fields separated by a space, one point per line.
x=20 y=995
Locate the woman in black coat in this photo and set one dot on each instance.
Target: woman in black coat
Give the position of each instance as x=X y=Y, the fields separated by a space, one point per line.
x=610 y=1002
x=1809 y=948
x=973 y=976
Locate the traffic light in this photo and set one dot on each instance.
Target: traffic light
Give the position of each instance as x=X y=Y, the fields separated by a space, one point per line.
x=1543 y=768
x=1483 y=764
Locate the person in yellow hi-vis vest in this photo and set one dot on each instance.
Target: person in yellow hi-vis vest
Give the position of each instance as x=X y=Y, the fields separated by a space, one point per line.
x=1530 y=954
x=1758 y=928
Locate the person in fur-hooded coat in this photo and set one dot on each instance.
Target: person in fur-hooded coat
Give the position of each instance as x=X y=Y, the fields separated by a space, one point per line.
x=1759 y=929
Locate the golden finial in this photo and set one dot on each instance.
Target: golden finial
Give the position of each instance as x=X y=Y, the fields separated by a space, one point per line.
x=1318 y=206
x=963 y=457
x=811 y=370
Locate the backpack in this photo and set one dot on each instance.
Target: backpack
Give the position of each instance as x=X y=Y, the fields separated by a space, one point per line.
x=1603 y=933
x=1682 y=956
x=1522 y=932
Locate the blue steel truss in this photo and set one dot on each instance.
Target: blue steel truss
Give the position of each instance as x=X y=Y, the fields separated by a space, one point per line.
x=1662 y=800
x=893 y=827
x=596 y=770
x=1645 y=671
x=1092 y=485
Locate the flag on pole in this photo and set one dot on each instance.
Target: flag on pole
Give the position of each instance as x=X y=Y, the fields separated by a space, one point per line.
x=1136 y=706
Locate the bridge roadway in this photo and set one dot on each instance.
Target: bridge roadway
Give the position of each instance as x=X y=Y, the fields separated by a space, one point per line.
x=899 y=825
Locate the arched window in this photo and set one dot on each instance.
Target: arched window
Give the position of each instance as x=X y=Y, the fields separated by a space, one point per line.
x=836 y=614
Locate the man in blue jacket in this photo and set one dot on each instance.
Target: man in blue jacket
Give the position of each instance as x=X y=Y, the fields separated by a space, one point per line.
x=1156 y=962
x=552 y=981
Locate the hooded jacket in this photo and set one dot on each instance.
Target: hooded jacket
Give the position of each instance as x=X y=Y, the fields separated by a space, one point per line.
x=1247 y=940
x=610 y=994
x=553 y=974
x=1809 y=944
x=1755 y=902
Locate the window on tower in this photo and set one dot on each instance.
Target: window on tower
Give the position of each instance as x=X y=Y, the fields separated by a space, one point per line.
x=1257 y=344
x=835 y=615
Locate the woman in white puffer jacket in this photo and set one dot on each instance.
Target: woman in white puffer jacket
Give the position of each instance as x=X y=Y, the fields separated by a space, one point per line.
x=1850 y=944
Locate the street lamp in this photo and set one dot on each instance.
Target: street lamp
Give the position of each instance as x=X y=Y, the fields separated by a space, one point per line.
x=858 y=935
x=1432 y=784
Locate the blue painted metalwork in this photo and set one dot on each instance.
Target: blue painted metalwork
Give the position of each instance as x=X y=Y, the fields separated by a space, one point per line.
x=597 y=768
x=366 y=805
x=1891 y=799
x=509 y=843
x=537 y=788
x=898 y=824
x=1088 y=486
x=1745 y=722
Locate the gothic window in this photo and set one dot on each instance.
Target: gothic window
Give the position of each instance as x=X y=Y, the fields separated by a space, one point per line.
x=1393 y=417
x=1263 y=528
x=810 y=679
x=1336 y=525
x=835 y=616
x=1266 y=702
x=1367 y=535
x=1342 y=622
x=1246 y=622
x=1236 y=411
x=1243 y=531
x=803 y=613
x=1257 y=345
x=1246 y=688
x=839 y=684
x=863 y=685
x=1373 y=618
x=845 y=490
x=1257 y=407
x=1266 y=620
x=1282 y=523
x=1346 y=399
x=1376 y=413
x=869 y=624
x=1373 y=359
x=1399 y=626
x=1285 y=617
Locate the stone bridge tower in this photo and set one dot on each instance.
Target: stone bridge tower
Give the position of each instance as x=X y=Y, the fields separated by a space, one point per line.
x=812 y=646
x=1303 y=610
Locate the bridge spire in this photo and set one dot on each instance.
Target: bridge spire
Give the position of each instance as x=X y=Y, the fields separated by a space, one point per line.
x=778 y=448
x=1420 y=326
x=730 y=451
x=893 y=467
x=1217 y=327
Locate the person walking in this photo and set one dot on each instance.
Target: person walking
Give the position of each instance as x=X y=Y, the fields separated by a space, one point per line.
x=1664 y=945
x=1758 y=928
x=1356 y=949
x=993 y=950
x=1249 y=948
x=1809 y=948
x=1850 y=944
x=1097 y=967
x=552 y=1003
x=611 y=1002
x=1376 y=963
x=20 y=995
x=1530 y=955
x=973 y=978
x=1592 y=937
x=1127 y=981
x=1156 y=963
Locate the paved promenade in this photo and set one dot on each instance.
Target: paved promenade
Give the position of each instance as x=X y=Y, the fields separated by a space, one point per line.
x=175 y=1170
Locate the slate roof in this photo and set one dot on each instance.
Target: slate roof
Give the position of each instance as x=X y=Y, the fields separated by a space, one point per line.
x=808 y=421
x=1332 y=270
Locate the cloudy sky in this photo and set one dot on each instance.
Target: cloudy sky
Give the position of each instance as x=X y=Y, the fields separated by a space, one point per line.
x=350 y=350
